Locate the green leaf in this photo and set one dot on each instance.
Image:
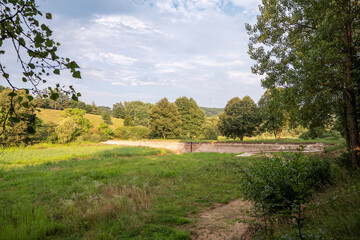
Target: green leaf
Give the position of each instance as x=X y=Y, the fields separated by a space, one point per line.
x=25 y=104
x=74 y=97
x=31 y=129
x=76 y=74
x=31 y=65
x=14 y=119
x=30 y=98
x=12 y=94
x=54 y=96
x=24 y=79
x=57 y=71
x=48 y=16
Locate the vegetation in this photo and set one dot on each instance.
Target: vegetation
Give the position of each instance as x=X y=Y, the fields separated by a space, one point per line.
x=240 y=118
x=165 y=119
x=314 y=58
x=109 y=192
x=192 y=117
x=210 y=112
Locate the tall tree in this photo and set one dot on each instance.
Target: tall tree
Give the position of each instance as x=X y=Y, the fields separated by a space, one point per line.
x=164 y=119
x=240 y=118
x=312 y=48
x=139 y=112
x=273 y=112
x=192 y=117
x=119 y=110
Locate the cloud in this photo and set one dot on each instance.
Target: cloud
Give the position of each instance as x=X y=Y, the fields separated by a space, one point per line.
x=184 y=47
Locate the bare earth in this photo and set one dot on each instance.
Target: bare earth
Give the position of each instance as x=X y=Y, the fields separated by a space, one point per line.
x=223 y=222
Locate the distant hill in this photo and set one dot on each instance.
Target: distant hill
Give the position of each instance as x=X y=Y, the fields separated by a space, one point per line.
x=212 y=111
x=54 y=116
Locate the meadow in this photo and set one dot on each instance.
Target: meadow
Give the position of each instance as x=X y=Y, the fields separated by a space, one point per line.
x=107 y=192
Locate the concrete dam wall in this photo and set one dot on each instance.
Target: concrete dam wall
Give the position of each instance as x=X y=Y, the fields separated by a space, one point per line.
x=220 y=147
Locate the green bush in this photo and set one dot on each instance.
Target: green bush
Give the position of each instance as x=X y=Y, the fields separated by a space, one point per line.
x=91 y=137
x=134 y=133
x=105 y=130
x=279 y=185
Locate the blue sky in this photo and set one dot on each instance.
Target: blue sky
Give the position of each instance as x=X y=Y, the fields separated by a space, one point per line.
x=146 y=50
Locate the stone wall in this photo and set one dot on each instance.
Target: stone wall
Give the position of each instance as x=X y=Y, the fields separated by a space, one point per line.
x=220 y=147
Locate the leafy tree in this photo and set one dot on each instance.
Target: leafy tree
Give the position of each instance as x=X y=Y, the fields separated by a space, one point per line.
x=138 y=111
x=73 y=124
x=192 y=117
x=106 y=117
x=312 y=49
x=128 y=121
x=164 y=119
x=240 y=118
x=211 y=129
x=273 y=111
x=119 y=110
x=105 y=130
x=23 y=118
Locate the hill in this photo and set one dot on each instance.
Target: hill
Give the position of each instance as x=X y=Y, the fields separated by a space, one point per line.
x=53 y=116
x=212 y=111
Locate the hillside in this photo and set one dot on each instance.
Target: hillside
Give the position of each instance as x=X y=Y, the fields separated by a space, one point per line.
x=53 y=116
x=212 y=111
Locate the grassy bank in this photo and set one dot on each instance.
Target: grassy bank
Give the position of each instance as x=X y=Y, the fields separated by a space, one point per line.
x=106 y=192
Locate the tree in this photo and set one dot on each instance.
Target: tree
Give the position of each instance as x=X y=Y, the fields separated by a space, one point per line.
x=273 y=111
x=118 y=110
x=164 y=119
x=128 y=121
x=16 y=131
x=139 y=112
x=35 y=51
x=312 y=48
x=106 y=117
x=192 y=117
x=240 y=118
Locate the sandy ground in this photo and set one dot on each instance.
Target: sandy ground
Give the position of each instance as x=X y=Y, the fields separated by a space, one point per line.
x=225 y=222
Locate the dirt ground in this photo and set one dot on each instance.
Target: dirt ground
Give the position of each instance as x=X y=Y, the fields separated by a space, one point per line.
x=223 y=222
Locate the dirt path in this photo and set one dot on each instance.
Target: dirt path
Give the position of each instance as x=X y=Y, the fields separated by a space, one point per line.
x=222 y=222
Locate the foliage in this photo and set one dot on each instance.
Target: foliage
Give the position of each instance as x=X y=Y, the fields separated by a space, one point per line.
x=280 y=185
x=133 y=133
x=106 y=117
x=165 y=119
x=128 y=121
x=21 y=122
x=273 y=111
x=118 y=110
x=192 y=117
x=240 y=118
x=73 y=124
x=105 y=130
x=210 y=112
x=211 y=130
x=35 y=52
x=310 y=48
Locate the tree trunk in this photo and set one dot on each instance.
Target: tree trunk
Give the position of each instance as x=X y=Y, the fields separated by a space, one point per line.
x=344 y=123
x=350 y=92
x=241 y=138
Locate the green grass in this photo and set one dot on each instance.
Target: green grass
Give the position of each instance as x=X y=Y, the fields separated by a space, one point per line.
x=51 y=116
x=107 y=192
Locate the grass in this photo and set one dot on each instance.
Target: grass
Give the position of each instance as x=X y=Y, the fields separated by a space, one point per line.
x=50 y=116
x=107 y=192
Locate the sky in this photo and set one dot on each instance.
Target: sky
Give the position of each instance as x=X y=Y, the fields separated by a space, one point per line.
x=149 y=49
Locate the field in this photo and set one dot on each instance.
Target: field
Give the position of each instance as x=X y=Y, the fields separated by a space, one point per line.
x=106 y=192
x=50 y=116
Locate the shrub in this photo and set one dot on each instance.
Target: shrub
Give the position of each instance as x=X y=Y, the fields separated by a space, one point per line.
x=105 y=130
x=137 y=132
x=278 y=186
x=66 y=130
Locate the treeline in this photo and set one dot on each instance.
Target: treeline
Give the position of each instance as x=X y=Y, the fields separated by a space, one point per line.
x=183 y=119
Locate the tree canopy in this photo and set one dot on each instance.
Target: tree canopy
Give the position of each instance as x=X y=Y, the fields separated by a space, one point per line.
x=311 y=49
x=192 y=117
x=164 y=119
x=240 y=118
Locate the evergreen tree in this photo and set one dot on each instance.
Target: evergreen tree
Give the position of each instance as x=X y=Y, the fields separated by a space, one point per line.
x=240 y=118
x=119 y=110
x=192 y=117
x=164 y=119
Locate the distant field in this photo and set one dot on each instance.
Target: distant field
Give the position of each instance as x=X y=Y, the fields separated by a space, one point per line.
x=212 y=111
x=53 y=116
